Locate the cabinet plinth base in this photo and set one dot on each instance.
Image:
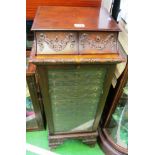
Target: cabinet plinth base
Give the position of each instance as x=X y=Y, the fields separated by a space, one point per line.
x=87 y=138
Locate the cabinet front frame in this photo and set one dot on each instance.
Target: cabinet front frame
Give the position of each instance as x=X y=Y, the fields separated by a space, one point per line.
x=43 y=80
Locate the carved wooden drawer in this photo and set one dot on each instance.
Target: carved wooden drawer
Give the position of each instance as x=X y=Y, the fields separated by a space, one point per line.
x=76 y=42
x=57 y=42
x=97 y=42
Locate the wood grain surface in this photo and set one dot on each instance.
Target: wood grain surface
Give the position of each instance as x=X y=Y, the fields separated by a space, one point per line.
x=32 y=5
x=65 y=18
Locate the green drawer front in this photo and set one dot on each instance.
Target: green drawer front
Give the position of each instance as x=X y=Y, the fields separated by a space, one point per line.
x=74 y=94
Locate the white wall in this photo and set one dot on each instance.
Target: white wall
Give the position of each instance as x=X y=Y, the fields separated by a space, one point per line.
x=107 y=4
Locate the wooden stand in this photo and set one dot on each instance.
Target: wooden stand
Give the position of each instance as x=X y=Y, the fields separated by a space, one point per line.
x=75 y=60
x=87 y=138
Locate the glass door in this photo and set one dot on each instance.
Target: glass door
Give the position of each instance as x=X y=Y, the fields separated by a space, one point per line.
x=117 y=129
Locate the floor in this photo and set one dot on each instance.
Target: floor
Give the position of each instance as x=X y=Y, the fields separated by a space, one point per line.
x=37 y=143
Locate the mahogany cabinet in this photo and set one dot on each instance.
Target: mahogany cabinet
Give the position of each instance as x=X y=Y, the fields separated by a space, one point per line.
x=35 y=119
x=113 y=135
x=75 y=53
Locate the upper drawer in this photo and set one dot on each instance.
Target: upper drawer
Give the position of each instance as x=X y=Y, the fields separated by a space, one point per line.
x=57 y=42
x=49 y=42
x=97 y=42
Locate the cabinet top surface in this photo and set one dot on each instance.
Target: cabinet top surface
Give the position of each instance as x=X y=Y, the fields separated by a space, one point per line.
x=73 y=18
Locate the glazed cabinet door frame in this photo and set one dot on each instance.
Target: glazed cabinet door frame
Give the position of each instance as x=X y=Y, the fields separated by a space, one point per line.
x=117 y=96
x=105 y=140
x=31 y=82
x=35 y=96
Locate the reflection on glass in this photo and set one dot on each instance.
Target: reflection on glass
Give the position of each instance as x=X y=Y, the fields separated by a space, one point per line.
x=31 y=122
x=118 y=127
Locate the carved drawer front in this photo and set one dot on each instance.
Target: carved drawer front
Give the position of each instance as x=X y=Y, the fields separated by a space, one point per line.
x=97 y=42
x=57 y=43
